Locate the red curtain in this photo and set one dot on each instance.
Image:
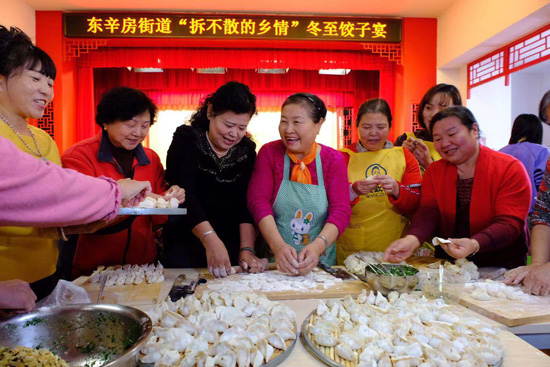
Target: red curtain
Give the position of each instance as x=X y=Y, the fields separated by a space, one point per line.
x=180 y=88
x=186 y=58
x=184 y=89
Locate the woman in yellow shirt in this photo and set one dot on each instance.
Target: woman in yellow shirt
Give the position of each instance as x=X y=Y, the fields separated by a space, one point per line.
x=420 y=143
x=26 y=87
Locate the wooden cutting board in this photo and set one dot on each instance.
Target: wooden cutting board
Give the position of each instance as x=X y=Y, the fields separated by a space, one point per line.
x=511 y=313
x=130 y=295
x=339 y=290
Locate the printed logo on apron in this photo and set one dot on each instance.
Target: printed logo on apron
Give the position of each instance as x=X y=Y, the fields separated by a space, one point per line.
x=373 y=170
x=300 y=226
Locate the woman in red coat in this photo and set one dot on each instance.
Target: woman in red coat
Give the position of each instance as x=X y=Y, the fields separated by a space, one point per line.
x=475 y=196
x=125 y=116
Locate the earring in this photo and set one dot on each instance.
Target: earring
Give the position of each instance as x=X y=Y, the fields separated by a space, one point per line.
x=105 y=128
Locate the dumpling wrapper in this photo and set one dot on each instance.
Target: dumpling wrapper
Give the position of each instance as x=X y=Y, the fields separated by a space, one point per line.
x=438 y=241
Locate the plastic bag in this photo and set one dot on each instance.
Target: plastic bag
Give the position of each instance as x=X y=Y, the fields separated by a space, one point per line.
x=66 y=293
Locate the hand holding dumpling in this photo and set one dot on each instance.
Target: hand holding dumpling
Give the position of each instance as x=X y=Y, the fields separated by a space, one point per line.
x=133 y=192
x=175 y=192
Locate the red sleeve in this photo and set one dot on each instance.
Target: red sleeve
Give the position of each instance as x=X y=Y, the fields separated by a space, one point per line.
x=75 y=159
x=261 y=186
x=409 y=187
x=346 y=159
x=512 y=203
x=427 y=218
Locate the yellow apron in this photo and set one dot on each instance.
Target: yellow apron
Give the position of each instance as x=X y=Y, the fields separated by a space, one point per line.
x=433 y=153
x=374 y=224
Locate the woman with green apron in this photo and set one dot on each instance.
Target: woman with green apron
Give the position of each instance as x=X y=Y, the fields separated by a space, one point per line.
x=420 y=143
x=385 y=184
x=298 y=193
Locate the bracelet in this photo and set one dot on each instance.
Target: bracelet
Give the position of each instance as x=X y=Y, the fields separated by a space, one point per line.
x=247 y=249
x=324 y=240
x=61 y=233
x=206 y=234
x=476 y=251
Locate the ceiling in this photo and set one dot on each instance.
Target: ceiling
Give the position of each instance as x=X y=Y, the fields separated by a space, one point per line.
x=397 y=8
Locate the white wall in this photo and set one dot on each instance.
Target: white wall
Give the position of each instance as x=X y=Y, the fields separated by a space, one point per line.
x=527 y=91
x=491 y=104
x=17 y=13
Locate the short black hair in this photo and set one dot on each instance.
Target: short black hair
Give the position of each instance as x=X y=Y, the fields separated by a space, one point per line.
x=123 y=104
x=544 y=103
x=18 y=52
x=374 y=105
x=232 y=96
x=528 y=128
x=315 y=105
x=448 y=89
x=465 y=116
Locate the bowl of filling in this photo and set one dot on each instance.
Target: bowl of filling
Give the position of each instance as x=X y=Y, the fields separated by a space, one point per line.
x=90 y=335
x=386 y=278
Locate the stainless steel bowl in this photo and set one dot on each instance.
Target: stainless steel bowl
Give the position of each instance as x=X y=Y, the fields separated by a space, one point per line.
x=387 y=283
x=83 y=335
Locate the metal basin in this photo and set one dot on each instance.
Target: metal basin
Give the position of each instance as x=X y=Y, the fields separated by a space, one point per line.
x=388 y=283
x=83 y=335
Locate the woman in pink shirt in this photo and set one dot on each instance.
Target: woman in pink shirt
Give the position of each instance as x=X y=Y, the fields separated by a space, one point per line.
x=298 y=193
x=34 y=192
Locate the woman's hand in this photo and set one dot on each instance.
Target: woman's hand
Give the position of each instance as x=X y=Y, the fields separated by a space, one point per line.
x=401 y=249
x=251 y=263
x=218 y=258
x=133 y=192
x=364 y=187
x=388 y=184
x=460 y=247
x=175 y=192
x=422 y=153
x=537 y=281
x=16 y=295
x=286 y=258
x=309 y=256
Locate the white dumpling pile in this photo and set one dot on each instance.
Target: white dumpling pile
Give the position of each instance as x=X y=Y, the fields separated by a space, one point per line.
x=150 y=203
x=128 y=274
x=488 y=290
x=218 y=329
x=461 y=266
x=274 y=281
x=402 y=331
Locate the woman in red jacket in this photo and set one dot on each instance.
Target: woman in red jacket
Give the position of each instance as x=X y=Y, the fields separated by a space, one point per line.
x=125 y=116
x=475 y=196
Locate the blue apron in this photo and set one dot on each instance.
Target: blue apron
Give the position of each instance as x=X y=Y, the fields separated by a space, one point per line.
x=300 y=210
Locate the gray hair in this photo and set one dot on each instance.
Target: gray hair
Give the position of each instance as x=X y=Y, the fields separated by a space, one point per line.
x=544 y=103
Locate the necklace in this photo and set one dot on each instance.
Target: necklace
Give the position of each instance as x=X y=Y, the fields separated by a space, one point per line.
x=38 y=152
x=220 y=154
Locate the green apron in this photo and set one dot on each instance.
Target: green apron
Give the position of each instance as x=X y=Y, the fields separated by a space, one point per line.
x=300 y=210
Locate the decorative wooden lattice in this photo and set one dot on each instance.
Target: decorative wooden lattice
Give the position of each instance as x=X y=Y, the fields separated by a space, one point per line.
x=414 y=113
x=46 y=123
x=75 y=48
x=531 y=50
x=489 y=68
x=526 y=51
x=389 y=51
x=344 y=136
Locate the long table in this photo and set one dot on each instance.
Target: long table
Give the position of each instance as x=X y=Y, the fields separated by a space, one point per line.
x=518 y=352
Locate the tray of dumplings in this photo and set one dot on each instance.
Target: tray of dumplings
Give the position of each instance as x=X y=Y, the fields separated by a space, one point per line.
x=125 y=284
x=400 y=330
x=219 y=329
x=152 y=206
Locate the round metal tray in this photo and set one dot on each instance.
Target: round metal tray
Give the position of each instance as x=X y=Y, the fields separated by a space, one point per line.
x=272 y=363
x=312 y=348
x=83 y=335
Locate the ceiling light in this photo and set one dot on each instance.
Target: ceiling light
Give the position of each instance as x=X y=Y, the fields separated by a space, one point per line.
x=148 y=70
x=211 y=71
x=334 y=71
x=272 y=71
